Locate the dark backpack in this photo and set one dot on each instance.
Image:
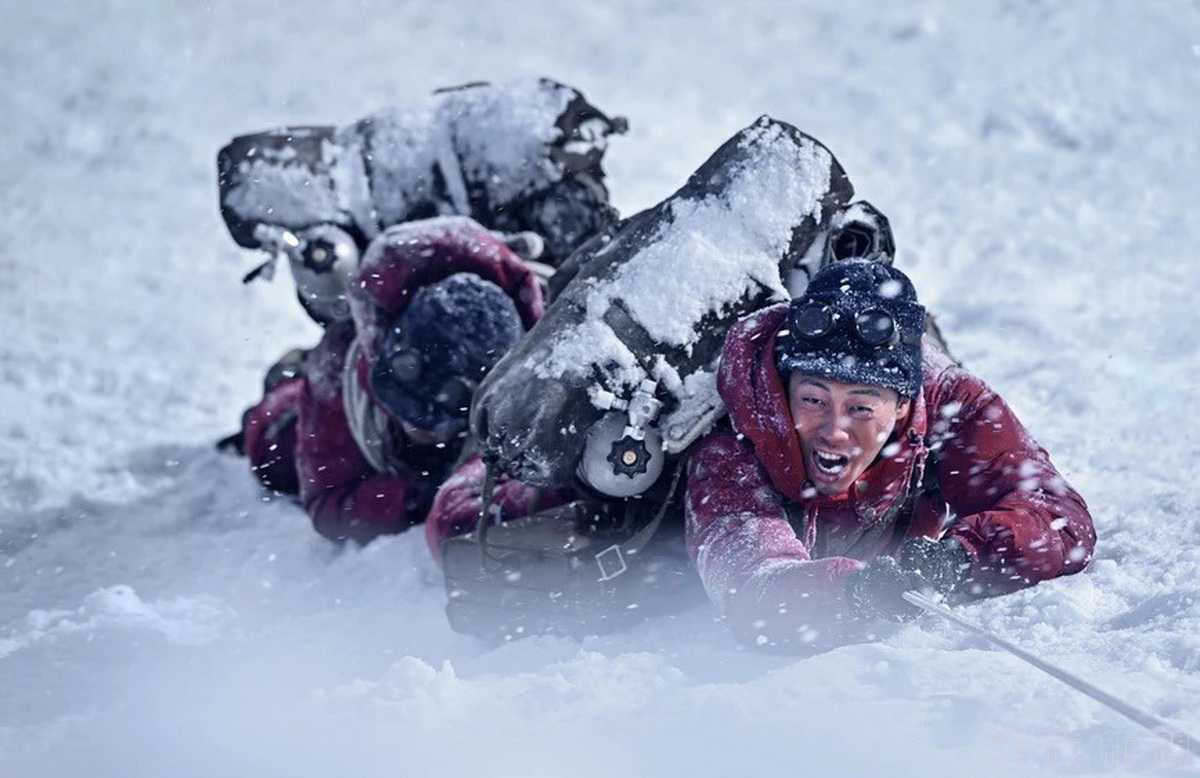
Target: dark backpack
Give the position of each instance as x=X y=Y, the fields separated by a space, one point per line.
x=587 y=567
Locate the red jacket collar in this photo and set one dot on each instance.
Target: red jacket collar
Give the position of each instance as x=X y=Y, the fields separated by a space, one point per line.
x=757 y=402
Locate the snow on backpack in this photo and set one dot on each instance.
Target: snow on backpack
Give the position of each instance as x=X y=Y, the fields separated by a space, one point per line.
x=518 y=157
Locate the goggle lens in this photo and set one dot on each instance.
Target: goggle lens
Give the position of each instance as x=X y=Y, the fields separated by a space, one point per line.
x=405 y=366
x=813 y=320
x=875 y=327
x=455 y=396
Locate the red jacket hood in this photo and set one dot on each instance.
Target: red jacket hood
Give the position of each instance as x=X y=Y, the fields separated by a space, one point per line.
x=757 y=401
x=409 y=256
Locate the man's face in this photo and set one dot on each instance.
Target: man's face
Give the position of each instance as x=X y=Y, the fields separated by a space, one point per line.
x=842 y=427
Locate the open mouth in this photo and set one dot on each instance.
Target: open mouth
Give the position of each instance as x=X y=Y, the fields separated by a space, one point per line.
x=830 y=464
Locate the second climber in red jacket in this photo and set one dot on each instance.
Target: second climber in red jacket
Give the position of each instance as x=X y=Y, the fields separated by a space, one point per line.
x=377 y=415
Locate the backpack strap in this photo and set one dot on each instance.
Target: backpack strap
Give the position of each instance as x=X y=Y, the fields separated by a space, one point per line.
x=929 y=484
x=612 y=559
x=369 y=424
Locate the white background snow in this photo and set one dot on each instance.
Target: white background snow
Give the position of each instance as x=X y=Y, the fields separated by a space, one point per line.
x=1039 y=162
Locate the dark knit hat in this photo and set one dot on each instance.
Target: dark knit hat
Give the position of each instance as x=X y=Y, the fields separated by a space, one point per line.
x=440 y=348
x=858 y=322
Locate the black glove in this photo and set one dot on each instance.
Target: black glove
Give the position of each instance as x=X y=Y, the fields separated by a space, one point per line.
x=875 y=590
x=942 y=565
x=235 y=443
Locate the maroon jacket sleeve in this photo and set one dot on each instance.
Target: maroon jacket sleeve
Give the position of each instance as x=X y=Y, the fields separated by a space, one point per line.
x=756 y=571
x=458 y=503
x=1017 y=517
x=269 y=436
x=344 y=496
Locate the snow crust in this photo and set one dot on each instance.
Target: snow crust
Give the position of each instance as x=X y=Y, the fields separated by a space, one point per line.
x=591 y=339
x=713 y=250
x=288 y=193
x=159 y=618
x=499 y=134
x=492 y=140
x=717 y=251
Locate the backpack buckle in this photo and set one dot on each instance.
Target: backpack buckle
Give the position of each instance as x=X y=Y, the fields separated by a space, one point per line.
x=611 y=562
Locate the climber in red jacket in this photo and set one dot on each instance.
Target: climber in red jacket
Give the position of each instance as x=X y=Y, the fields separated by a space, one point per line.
x=375 y=416
x=862 y=463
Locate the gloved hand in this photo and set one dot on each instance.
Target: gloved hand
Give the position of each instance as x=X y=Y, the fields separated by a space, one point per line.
x=942 y=565
x=875 y=590
x=235 y=443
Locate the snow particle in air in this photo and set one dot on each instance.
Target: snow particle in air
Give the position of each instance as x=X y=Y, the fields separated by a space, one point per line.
x=890 y=289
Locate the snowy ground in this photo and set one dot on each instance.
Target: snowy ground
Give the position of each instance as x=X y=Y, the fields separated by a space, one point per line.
x=159 y=618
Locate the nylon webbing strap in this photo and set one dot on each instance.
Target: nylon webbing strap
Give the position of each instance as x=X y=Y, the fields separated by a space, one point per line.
x=485 y=509
x=643 y=536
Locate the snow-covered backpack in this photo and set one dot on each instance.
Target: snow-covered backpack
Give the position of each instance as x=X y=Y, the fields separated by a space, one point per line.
x=523 y=156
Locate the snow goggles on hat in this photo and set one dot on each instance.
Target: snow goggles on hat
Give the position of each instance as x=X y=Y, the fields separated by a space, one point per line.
x=407 y=367
x=814 y=321
x=425 y=394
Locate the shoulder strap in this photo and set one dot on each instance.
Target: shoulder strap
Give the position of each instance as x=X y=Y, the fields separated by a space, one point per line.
x=369 y=425
x=928 y=484
x=931 y=481
x=642 y=536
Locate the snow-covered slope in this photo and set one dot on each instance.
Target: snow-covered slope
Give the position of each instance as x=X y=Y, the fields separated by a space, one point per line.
x=159 y=618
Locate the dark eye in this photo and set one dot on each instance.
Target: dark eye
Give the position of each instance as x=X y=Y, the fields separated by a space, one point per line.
x=862 y=411
x=455 y=395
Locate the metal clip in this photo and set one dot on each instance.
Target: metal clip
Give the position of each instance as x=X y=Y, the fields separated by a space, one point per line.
x=643 y=409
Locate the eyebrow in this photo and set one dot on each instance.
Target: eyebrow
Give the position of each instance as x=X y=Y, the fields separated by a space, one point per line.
x=819 y=385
